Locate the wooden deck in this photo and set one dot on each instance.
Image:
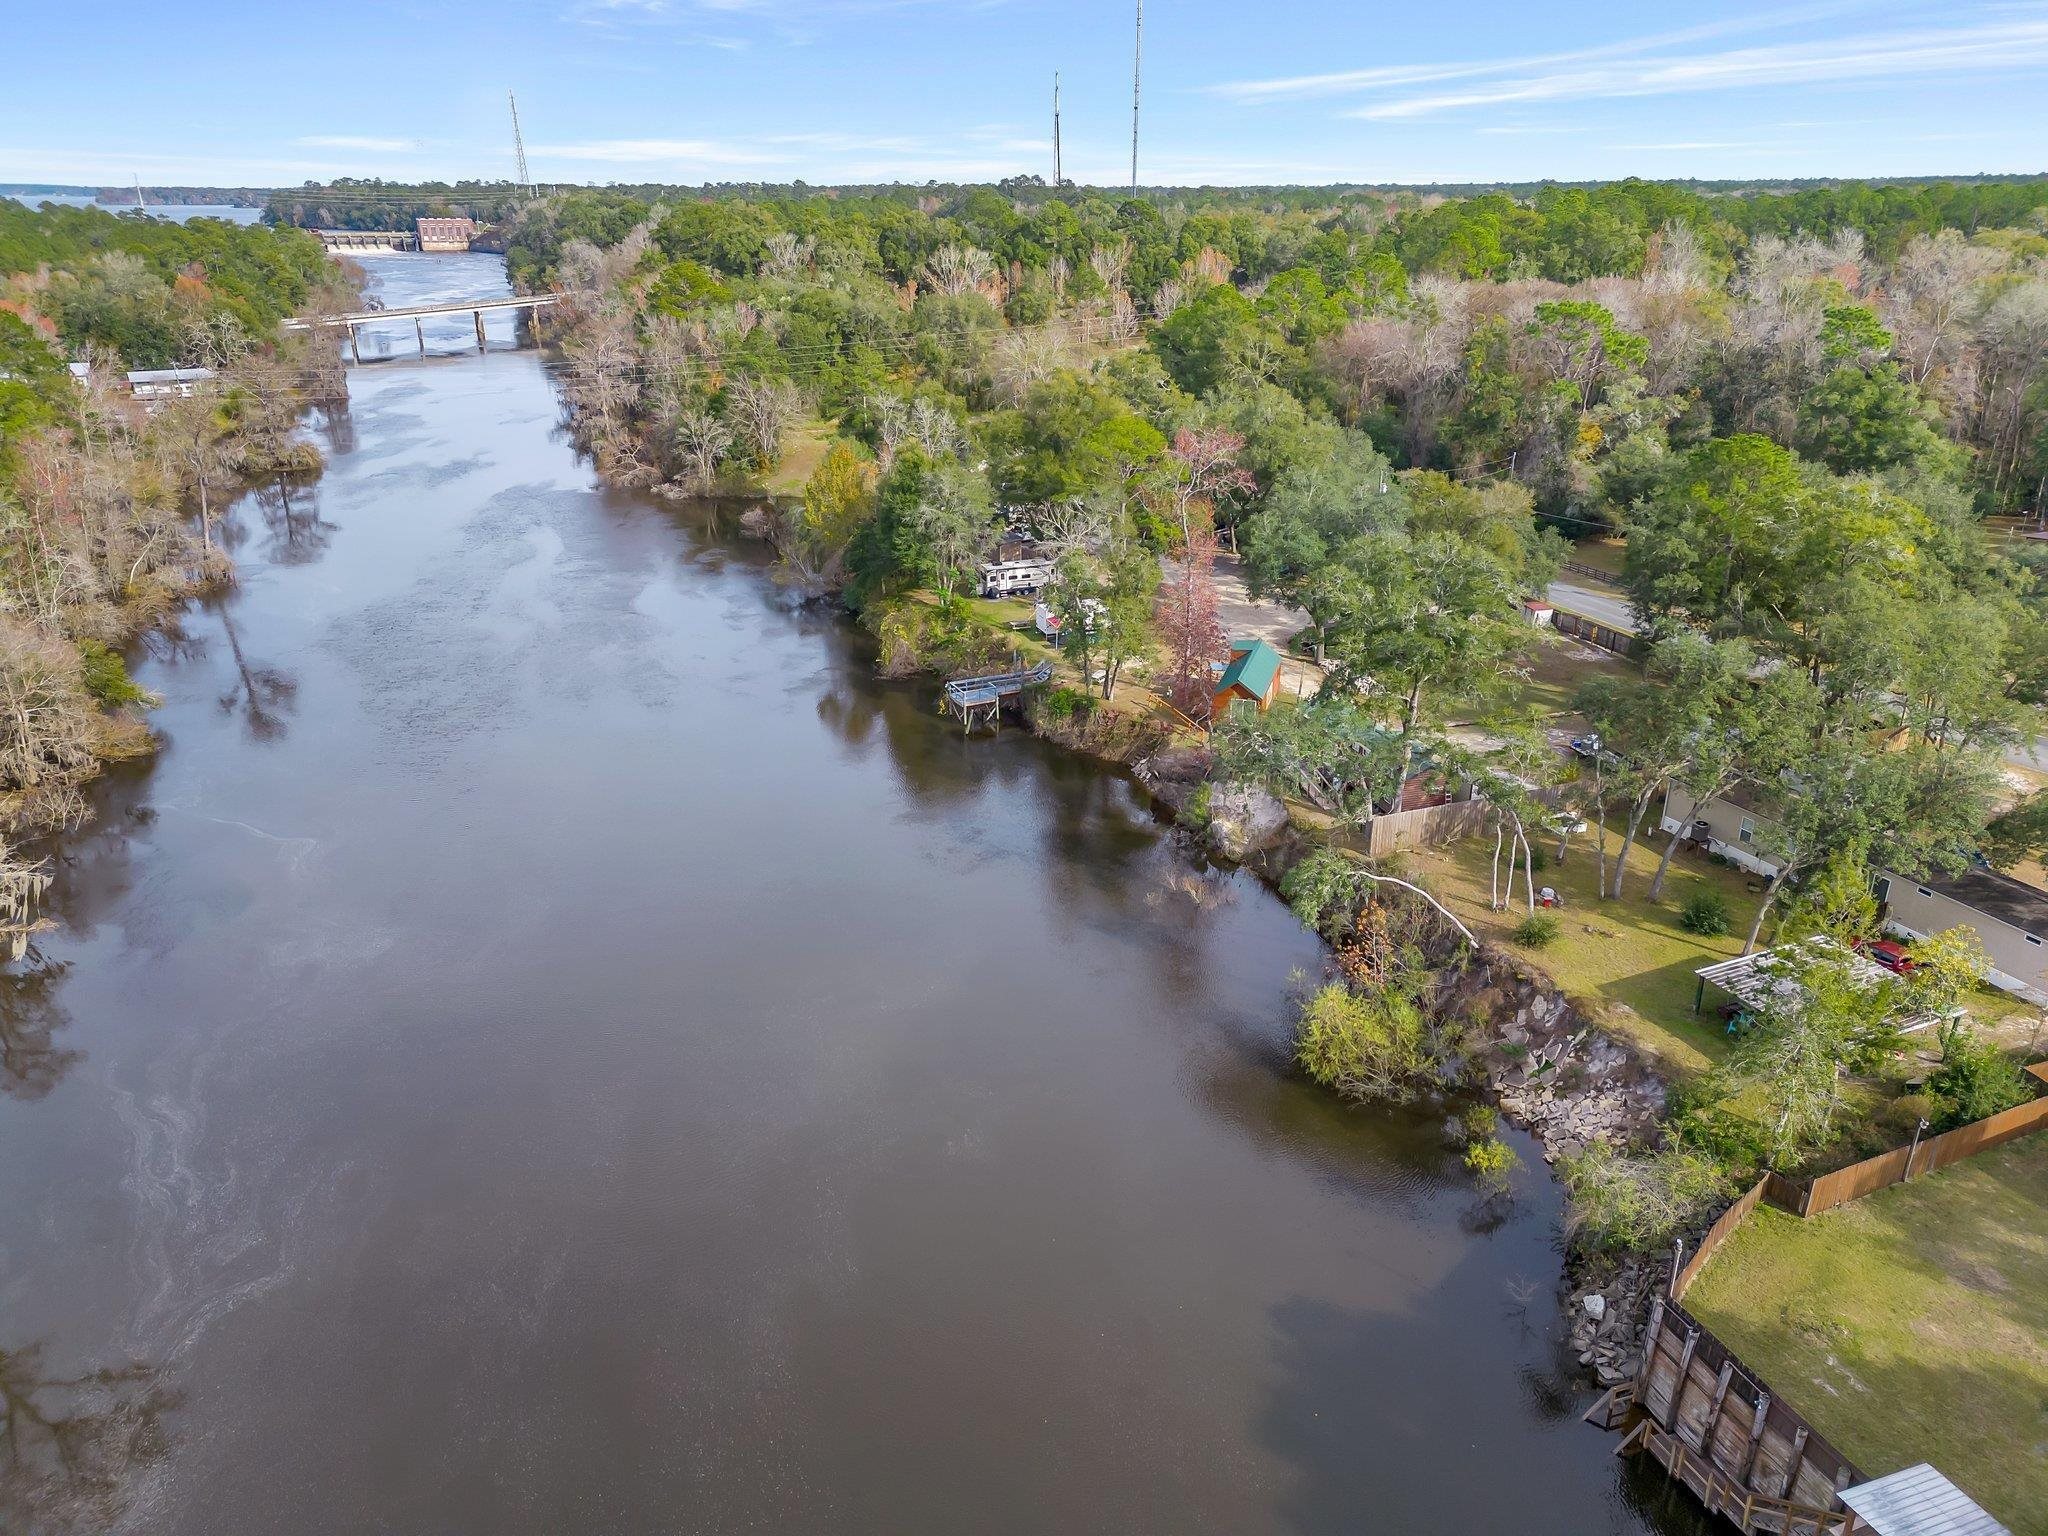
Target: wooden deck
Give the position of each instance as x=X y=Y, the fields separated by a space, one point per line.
x=980 y=700
x=1718 y=1430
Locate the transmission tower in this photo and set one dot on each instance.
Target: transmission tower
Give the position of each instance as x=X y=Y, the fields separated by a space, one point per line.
x=519 y=147
x=1057 y=179
x=1137 y=76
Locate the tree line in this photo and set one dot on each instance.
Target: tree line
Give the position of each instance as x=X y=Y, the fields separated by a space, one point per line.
x=109 y=511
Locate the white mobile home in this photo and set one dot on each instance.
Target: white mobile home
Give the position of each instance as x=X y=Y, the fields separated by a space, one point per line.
x=2010 y=918
x=1732 y=827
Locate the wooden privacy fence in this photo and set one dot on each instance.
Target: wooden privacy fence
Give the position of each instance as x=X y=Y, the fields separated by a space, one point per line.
x=1716 y=1235
x=1427 y=827
x=1809 y=1197
x=1606 y=636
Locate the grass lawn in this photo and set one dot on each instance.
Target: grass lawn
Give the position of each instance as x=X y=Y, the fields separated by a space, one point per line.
x=1909 y=1326
x=1627 y=962
x=1607 y=555
x=802 y=450
x=1555 y=668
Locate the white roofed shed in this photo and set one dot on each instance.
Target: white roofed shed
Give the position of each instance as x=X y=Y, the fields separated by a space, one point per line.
x=1918 y=1502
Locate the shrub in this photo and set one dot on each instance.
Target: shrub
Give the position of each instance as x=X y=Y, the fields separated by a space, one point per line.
x=1478 y=1123
x=1539 y=930
x=1321 y=891
x=1735 y=1141
x=1063 y=703
x=1374 y=1044
x=1629 y=1202
x=1705 y=913
x=1904 y=1114
x=1195 y=814
x=1491 y=1160
x=1975 y=1079
x=106 y=677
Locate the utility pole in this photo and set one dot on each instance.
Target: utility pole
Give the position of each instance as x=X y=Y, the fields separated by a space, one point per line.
x=1137 y=75
x=1058 y=180
x=519 y=147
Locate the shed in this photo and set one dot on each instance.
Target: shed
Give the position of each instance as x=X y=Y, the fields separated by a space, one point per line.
x=1918 y=1502
x=165 y=383
x=1253 y=676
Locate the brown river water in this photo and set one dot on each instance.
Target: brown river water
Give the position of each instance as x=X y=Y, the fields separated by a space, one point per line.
x=551 y=1045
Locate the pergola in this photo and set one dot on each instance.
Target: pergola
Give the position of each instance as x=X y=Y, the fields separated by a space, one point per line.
x=1772 y=975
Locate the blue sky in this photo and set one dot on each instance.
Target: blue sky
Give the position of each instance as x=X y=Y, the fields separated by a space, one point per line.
x=233 y=91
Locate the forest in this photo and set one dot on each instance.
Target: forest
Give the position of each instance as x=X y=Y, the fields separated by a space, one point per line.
x=1807 y=419
x=109 y=507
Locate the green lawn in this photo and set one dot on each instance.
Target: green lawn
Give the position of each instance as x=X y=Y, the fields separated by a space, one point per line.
x=1627 y=962
x=1553 y=668
x=1909 y=1326
x=1607 y=555
x=803 y=448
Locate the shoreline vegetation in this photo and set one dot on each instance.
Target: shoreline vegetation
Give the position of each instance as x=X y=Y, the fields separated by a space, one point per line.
x=1792 y=419
x=109 y=505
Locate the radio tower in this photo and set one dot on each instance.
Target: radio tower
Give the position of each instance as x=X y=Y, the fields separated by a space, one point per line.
x=1137 y=75
x=1057 y=180
x=519 y=147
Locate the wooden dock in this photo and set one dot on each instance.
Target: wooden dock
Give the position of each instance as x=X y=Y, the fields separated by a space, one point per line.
x=1719 y=1431
x=980 y=700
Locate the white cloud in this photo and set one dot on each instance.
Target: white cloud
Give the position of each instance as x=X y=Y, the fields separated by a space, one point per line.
x=1994 y=48
x=1352 y=82
x=703 y=152
x=356 y=141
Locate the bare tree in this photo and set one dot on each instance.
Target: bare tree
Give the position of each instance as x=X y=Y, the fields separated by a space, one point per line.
x=1110 y=262
x=936 y=430
x=1930 y=296
x=700 y=440
x=958 y=269
x=788 y=254
x=48 y=729
x=763 y=409
x=1027 y=356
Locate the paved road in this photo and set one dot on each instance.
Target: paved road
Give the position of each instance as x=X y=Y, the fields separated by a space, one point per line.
x=1603 y=605
x=1606 y=605
x=1273 y=622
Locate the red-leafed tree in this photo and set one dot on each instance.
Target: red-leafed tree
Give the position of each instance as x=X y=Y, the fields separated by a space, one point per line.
x=1190 y=631
x=1205 y=469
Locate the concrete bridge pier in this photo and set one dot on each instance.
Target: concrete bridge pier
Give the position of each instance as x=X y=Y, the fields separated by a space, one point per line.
x=355 y=349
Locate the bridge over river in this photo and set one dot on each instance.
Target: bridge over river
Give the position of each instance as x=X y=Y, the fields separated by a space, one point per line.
x=532 y=303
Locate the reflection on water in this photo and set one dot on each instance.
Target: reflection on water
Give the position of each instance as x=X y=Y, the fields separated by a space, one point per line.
x=31 y=1059
x=74 y=1448
x=553 y=1045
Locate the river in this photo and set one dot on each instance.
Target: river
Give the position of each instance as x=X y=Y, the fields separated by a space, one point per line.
x=551 y=1045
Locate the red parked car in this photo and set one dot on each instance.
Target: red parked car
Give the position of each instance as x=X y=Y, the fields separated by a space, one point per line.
x=1890 y=954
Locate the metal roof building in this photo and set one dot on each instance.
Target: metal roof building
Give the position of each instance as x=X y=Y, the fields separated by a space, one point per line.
x=1918 y=1502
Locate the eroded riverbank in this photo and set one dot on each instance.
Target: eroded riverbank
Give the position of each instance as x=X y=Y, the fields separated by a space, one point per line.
x=559 y=1047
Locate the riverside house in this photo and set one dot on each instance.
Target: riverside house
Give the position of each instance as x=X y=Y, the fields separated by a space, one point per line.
x=2009 y=917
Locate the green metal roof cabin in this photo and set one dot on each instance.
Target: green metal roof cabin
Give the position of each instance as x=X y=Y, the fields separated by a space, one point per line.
x=1253 y=675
